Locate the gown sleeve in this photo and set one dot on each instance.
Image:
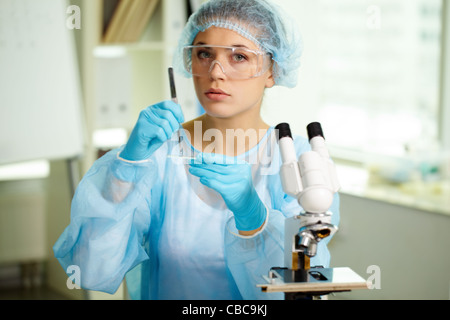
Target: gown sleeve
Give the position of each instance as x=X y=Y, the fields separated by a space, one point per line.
x=249 y=258
x=110 y=218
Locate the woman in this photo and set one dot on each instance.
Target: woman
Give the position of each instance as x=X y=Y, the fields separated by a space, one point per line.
x=211 y=227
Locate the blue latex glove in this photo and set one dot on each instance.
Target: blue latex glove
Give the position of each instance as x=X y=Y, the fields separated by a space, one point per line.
x=234 y=183
x=155 y=125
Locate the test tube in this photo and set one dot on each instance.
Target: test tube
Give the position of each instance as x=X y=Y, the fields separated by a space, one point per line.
x=173 y=95
x=173 y=92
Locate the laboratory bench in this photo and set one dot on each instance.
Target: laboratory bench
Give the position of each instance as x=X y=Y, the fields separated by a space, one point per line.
x=400 y=227
x=432 y=196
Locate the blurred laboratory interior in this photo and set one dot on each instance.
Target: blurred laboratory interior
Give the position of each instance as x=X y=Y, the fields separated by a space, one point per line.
x=375 y=73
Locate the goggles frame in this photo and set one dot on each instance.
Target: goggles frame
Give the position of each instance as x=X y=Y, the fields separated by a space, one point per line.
x=266 y=57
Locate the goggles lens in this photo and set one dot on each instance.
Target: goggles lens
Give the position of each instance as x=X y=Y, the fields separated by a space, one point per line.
x=235 y=62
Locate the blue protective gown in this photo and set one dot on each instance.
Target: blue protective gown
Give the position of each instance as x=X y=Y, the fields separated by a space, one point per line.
x=172 y=237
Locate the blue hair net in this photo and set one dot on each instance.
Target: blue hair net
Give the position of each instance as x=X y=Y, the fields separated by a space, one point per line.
x=262 y=22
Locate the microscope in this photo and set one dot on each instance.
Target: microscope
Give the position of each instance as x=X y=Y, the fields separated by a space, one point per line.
x=312 y=180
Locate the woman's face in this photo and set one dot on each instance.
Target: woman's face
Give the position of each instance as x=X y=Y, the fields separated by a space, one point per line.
x=220 y=95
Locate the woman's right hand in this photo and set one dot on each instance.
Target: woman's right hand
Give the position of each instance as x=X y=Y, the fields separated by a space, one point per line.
x=155 y=125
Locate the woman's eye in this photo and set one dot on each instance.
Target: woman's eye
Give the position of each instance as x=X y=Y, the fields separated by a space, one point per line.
x=204 y=55
x=239 y=57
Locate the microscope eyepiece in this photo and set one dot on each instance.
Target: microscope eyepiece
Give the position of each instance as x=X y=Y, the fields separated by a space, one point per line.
x=314 y=129
x=283 y=130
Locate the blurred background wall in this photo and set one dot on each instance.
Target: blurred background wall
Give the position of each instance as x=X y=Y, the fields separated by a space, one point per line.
x=374 y=73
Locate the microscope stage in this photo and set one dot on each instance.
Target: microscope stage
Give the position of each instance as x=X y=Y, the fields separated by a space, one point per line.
x=313 y=280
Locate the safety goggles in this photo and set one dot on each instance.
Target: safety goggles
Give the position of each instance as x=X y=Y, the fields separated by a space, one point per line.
x=235 y=62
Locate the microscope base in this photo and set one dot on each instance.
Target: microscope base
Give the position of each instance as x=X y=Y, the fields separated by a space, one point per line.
x=313 y=282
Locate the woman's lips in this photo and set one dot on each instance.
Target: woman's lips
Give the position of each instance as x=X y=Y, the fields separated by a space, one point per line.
x=216 y=94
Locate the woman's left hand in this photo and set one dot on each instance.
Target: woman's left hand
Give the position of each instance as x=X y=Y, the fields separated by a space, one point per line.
x=233 y=180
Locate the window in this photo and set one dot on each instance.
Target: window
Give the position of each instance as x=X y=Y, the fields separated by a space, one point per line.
x=379 y=74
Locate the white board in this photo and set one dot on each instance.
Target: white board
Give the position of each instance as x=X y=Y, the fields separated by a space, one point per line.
x=40 y=96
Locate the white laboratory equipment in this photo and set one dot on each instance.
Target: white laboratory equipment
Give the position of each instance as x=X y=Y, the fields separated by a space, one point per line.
x=312 y=180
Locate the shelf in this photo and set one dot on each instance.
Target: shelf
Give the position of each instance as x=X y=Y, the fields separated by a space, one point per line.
x=138 y=46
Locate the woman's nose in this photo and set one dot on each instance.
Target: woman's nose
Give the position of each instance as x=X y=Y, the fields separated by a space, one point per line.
x=216 y=71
